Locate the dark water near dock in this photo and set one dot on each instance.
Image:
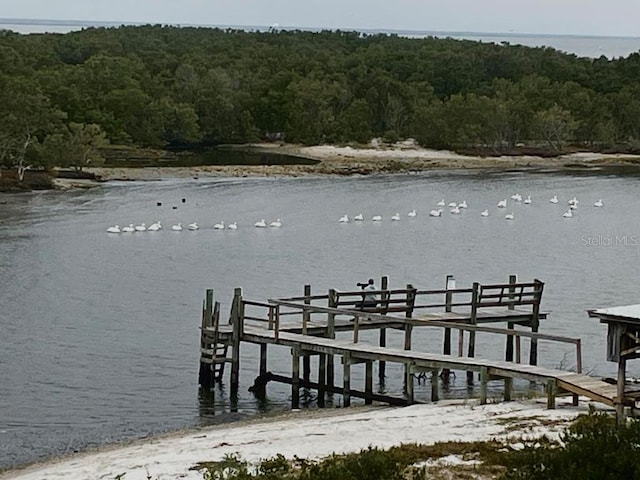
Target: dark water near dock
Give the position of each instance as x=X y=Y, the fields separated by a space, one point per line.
x=100 y=332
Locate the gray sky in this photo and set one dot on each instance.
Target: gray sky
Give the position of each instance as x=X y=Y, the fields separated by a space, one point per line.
x=584 y=17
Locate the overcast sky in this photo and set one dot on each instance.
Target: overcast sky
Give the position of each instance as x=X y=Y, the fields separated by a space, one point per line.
x=583 y=17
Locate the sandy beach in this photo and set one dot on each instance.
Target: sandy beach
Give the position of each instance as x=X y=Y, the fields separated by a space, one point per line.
x=314 y=434
x=335 y=160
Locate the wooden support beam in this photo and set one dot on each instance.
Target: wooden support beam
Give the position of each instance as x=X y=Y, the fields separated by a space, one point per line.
x=346 y=376
x=472 y=334
x=322 y=378
x=408 y=368
x=552 y=389
x=236 y=321
x=295 y=377
x=434 y=385
x=484 y=379
x=508 y=388
x=368 y=381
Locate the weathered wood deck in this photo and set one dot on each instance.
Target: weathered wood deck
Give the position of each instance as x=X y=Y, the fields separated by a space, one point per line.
x=309 y=329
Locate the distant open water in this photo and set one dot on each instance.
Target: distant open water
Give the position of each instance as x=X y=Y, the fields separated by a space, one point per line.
x=580 y=45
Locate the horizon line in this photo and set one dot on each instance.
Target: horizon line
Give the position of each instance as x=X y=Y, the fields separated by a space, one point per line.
x=116 y=23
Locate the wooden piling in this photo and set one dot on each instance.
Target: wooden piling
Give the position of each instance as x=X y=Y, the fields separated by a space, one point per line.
x=322 y=378
x=472 y=334
x=331 y=333
x=384 y=297
x=306 y=359
x=346 y=377
x=446 y=347
x=508 y=356
x=237 y=314
x=205 y=373
x=368 y=382
x=295 y=377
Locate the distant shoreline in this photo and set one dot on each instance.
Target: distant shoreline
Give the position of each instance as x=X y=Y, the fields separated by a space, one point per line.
x=345 y=161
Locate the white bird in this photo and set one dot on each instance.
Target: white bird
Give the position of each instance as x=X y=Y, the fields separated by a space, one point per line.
x=527 y=201
x=435 y=213
x=554 y=199
x=441 y=203
x=455 y=210
x=598 y=204
x=232 y=226
x=141 y=228
x=344 y=218
x=395 y=217
x=376 y=218
x=568 y=214
x=502 y=203
x=114 y=229
x=412 y=213
x=276 y=223
x=574 y=201
x=219 y=226
x=509 y=216
x=193 y=226
x=452 y=204
x=261 y=224
x=129 y=228
x=484 y=213
x=517 y=197
x=177 y=227
x=154 y=227
x=573 y=206
x=358 y=217
x=463 y=204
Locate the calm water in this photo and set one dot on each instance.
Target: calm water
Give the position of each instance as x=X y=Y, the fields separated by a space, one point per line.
x=581 y=45
x=100 y=333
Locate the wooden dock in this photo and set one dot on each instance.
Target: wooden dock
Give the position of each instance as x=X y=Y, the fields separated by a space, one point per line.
x=308 y=325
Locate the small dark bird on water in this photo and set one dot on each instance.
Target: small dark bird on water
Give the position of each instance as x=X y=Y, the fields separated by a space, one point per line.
x=158 y=204
x=184 y=200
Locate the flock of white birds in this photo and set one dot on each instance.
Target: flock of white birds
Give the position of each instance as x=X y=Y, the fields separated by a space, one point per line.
x=178 y=227
x=456 y=208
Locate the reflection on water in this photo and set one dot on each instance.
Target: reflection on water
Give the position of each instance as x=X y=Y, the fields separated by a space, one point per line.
x=100 y=332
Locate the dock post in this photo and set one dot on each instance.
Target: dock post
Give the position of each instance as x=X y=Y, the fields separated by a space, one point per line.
x=322 y=378
x=263 y=368
x=551 y=393
x=535 y=324
x=408 y=380
x=206 y=372
x=295 y=377
x=408 y=331
x=450 y=284
x=237 y=313
x=346 y=388
x=306 y=359
x=368 y=382
x=508 y=356
x=434 y=385
x=484 y=379
x=331 y=333
x=472 y=334
x=508 y=388
x=619 y=401
x=384 y=285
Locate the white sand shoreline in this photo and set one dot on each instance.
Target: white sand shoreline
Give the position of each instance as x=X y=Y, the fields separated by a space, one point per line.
x=310 y=435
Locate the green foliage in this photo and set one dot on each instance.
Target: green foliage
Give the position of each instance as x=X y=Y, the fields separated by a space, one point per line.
x=592 y=448
x=159 y=86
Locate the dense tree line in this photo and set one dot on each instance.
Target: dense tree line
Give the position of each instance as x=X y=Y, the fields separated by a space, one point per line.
x=63 y=97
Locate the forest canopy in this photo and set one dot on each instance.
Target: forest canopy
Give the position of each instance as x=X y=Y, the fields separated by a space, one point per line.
x=64 y=96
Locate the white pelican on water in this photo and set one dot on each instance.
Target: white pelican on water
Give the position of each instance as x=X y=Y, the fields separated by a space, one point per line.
x=452 y=204
x=276 y=223
x=441 y=203
x=219 y=226
x=344 y=218
x=455 y=210
x=509 y=216
x=554 y=199
x=141 y=228
x=502 y=203
x=527 y=201
x=177 y=227
x=463 y=204
x=376 y=218
x=154 y=227
x=114 y=229
x=359 y=217
x=435 y=213
x=598 y=203
x=568 y=214
x=261 y=224
x=232 y=226
x=129 y=228
x=193 y=226
x=517 y=197
x=412 y=213
x=395 y=217
x=484 y=213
